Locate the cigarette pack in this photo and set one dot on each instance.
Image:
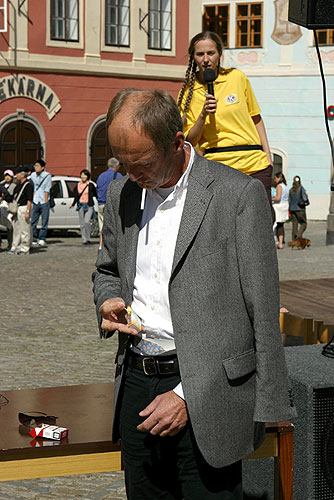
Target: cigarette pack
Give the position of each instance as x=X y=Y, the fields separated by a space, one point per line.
x=49 y=432
x=134 y=320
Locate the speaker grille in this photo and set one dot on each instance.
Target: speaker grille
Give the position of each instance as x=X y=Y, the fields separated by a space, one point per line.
x=323 y=432
x=324 y=13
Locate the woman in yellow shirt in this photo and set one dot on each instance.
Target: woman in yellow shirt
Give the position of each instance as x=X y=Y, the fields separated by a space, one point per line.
x=227 y=126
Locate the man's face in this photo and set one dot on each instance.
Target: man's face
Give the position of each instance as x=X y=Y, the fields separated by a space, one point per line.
x=38 y=168
x=145 y=164
x=20 y=176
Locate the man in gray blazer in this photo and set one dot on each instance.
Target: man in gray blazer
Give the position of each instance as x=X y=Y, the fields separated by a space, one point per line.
x=188 y=244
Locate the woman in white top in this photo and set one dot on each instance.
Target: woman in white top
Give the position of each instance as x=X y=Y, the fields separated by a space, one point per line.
x=281 y=206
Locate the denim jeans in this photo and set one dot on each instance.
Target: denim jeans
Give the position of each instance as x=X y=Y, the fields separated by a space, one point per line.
x=40 y=209
x=85 y=214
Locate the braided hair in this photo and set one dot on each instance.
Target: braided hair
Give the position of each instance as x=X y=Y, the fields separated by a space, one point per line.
x=190 y=75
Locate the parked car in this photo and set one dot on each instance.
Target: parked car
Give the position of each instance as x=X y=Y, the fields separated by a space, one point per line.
x=62 y=216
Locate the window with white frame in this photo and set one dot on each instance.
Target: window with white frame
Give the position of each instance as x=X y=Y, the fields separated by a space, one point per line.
x=216 y=19
x=239 y=25
x=249 y=25
x=117 y=23
x=3 y=16
x=160 y=24
x=65 y=20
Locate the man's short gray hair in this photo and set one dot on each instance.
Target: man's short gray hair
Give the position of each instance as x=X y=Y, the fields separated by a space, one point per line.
x=112 y=162
x=156 y=113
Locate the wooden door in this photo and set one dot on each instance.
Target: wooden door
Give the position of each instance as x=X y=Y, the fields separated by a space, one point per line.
x=20 y=144
x=100 y=151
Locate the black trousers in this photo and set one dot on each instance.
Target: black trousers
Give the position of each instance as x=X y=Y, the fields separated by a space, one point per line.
x=299 y=223
x=170 y=468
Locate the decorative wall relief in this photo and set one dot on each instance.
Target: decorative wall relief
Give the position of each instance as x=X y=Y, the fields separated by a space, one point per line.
x=326 y=55
x=251 y=57
x=285 y=33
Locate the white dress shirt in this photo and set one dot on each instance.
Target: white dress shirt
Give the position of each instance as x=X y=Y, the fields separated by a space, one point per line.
x=155 y=253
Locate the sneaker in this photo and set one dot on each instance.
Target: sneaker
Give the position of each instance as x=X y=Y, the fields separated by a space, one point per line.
x=21 y=252
x=11 y=252
x=42 y=243
x=34 y=244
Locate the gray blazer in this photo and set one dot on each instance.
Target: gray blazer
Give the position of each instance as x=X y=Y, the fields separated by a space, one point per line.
x=224 y=301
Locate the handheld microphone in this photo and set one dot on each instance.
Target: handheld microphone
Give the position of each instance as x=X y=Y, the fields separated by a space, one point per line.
x=209 y=77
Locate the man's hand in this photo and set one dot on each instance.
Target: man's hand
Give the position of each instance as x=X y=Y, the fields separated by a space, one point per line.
x=114 y=316
x=166 y=415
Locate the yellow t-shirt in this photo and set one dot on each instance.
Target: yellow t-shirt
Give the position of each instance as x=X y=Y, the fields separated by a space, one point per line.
x=232 y=124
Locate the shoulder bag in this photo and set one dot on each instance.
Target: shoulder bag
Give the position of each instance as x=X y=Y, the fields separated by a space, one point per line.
x=14 y=205
x=304 y=201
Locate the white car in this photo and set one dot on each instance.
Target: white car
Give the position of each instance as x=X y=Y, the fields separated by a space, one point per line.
x=62 y=216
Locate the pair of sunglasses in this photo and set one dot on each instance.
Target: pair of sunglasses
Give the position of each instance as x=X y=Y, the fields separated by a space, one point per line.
x=33 y=419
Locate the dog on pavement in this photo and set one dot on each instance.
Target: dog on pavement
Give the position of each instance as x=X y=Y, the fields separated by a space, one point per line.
x=300 y=243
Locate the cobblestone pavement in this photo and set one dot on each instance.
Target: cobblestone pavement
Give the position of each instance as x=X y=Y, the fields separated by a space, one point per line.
x=49 y=336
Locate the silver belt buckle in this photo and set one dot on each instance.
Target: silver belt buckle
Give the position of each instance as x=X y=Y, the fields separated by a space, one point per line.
x=148 y=364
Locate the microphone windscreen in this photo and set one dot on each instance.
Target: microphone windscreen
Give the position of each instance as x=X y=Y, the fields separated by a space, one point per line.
x=209 y=75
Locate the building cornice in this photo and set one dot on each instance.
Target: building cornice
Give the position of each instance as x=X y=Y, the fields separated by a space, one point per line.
x=26 y=62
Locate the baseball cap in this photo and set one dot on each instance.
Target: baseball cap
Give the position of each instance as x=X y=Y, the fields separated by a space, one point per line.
x=22 y=169
x=9 y=172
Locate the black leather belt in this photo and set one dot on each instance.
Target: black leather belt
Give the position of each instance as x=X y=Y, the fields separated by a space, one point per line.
x=242 y=147
x=155 y=365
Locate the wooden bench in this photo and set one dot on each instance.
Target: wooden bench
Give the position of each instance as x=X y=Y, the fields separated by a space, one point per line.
x=87 y=412
x=296 y=326
x=309 y=298
x=322 y=332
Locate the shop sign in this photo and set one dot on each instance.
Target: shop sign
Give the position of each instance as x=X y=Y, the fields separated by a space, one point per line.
x=31 y=88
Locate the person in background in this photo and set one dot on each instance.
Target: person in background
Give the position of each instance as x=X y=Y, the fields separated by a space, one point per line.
x=9 y=185
x=42 y=181
x=102 y=184
x=23 y=194
x=227 y=127
x=298 y=213
x=281 y=206
x=84 y=194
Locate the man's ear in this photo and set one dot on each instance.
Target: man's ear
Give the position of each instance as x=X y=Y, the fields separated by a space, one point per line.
x=179 y=142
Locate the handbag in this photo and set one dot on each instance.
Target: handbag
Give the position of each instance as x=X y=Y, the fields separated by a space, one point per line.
x=13 y=206
x=304 y=201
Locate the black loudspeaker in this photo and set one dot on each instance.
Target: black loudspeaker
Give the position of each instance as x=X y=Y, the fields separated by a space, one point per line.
x=312 y=14
x=311 y=377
